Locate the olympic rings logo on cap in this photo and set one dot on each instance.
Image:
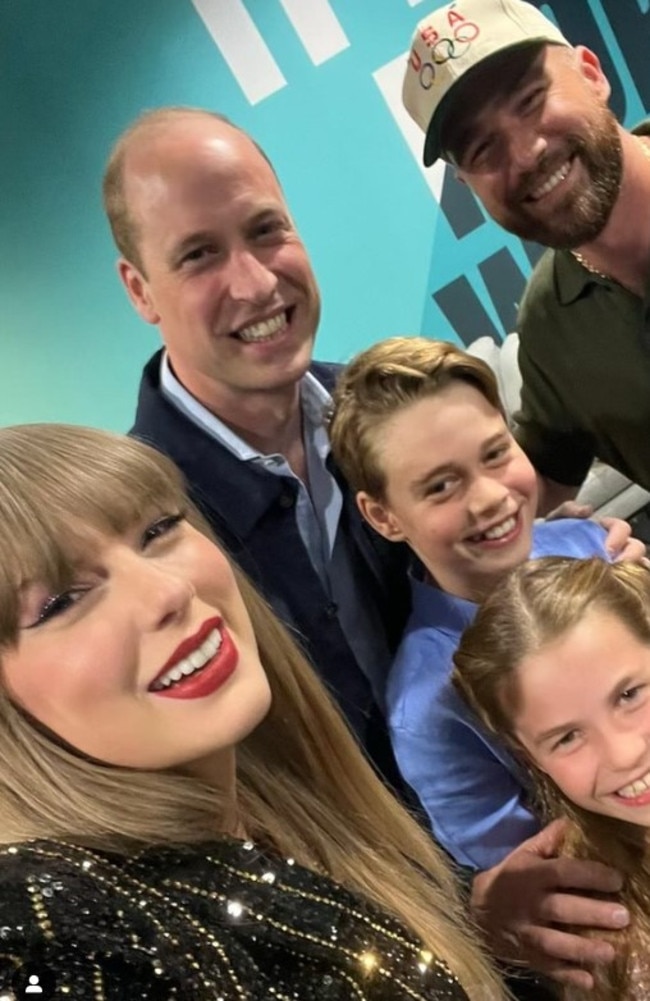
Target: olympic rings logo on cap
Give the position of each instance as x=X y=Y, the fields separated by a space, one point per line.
x=442 y=50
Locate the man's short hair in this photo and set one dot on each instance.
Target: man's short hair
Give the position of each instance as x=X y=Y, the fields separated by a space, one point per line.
x=123 y=226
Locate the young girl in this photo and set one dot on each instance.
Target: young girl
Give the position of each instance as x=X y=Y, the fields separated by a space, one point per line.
x=183 y=813
x=557 y=663
x=419 y=431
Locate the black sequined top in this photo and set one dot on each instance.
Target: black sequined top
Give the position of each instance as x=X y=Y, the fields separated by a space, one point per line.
x=219 y=922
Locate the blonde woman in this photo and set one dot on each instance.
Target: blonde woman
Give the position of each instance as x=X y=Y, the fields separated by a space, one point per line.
x=183 y=813
x=557 y=662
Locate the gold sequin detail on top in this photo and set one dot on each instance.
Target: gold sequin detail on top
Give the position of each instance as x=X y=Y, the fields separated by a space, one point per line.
x=221 y=922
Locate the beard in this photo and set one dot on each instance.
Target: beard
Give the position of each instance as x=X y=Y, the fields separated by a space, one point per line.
x=585 y=211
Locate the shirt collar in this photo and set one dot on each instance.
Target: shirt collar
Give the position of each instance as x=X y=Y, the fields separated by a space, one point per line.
x=572 y=278
x=316 y=402
x=314 y=398
x=432 y=606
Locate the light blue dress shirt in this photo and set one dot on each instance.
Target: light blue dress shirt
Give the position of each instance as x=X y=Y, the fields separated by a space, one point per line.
x=475 y=794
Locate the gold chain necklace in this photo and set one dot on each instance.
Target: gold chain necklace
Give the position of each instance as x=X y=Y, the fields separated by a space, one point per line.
x=589 y=267
x=580 y=258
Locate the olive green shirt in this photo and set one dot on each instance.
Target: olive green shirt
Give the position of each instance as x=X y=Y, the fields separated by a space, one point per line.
x=584 y=357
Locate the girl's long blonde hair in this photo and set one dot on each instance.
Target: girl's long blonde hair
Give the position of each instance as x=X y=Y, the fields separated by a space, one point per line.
x=535 y=605
x=303 y=785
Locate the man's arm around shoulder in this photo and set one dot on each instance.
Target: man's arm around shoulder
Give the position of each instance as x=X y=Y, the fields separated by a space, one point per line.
x=527 y=904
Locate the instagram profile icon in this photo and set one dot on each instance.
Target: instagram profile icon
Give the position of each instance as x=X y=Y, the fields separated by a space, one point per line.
x=33 y=982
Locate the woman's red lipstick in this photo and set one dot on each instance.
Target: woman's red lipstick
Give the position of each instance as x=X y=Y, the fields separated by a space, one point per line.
x=206 y=679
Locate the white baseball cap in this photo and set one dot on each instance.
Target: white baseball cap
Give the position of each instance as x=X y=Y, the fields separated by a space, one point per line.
x=455 y=39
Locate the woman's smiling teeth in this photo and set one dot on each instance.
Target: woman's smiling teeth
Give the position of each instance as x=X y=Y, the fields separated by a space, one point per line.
x=551 y=182
x=497 y=531
x=264 y=330
x=635 y=788
x=191 y=664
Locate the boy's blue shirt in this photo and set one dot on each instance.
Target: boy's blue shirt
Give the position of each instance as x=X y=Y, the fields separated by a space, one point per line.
x=475 y=794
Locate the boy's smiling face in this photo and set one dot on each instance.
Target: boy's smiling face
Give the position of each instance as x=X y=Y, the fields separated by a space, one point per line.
x=459 y=489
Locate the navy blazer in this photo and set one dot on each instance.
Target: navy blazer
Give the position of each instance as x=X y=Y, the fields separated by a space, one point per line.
x=251 y=512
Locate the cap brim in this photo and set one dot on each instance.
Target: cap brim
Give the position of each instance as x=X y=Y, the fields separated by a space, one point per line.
x=432 y=144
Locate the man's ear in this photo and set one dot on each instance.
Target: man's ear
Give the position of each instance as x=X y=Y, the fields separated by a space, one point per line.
x=380 y=517
x=137 y=289
x=589 y=67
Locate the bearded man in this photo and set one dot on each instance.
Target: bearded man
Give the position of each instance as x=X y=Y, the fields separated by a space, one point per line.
x=523 y=117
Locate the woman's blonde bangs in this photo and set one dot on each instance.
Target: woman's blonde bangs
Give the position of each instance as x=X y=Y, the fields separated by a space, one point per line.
x=58 y=485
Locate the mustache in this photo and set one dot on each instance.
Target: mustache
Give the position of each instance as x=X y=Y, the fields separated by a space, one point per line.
x=546 y=166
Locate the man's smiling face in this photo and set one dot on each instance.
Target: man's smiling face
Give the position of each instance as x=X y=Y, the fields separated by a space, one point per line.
x=224 y=273
x=544 y=157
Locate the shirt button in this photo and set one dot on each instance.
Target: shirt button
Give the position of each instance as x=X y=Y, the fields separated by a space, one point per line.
x=286 y=500
x=331 y=609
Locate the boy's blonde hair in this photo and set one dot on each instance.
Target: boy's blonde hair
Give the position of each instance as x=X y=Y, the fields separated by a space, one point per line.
x=383 y=380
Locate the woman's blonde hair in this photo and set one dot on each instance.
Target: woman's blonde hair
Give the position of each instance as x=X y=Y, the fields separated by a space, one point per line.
x=303 y=786
x=383 y=380
x=536 y=604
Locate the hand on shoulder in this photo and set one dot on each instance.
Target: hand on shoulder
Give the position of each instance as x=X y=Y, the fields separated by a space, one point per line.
x=527 y=904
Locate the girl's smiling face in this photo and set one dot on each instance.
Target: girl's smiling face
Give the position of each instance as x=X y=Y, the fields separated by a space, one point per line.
x=584 y=715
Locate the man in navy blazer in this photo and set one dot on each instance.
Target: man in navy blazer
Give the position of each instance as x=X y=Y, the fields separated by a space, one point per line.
x=211 y=256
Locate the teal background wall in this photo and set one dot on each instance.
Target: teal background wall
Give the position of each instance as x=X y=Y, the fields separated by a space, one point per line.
x=395 y=250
